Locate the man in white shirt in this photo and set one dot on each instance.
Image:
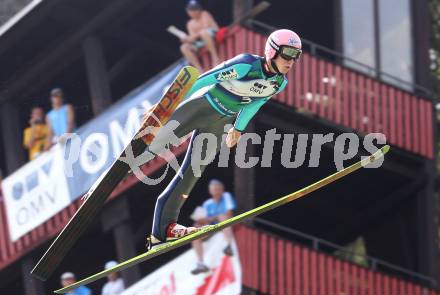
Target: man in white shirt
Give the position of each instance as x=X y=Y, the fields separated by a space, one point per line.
x=115 y=284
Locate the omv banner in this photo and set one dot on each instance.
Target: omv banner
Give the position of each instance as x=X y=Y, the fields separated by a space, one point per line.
x=224 y=277
x=46 y=185
x=35 y=192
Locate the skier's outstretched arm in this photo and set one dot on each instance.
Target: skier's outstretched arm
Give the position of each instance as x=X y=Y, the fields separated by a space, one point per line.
x=247 y=113
x=242 y=120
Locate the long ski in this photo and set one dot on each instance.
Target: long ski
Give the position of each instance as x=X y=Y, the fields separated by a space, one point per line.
x=97 y=195
x=234 y=220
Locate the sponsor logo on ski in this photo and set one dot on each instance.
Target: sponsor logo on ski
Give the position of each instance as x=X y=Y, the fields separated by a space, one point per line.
x=173 y=93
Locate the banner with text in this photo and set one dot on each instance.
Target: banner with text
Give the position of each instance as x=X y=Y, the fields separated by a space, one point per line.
x=41 y=188
x=175 y=278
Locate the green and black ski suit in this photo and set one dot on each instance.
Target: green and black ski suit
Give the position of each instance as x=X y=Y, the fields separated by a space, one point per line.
x=231 y=93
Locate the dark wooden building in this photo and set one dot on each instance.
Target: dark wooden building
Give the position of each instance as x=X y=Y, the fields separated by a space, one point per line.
x=98 y=51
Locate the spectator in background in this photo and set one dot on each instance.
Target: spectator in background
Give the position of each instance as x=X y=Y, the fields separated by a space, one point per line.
x=67 y=279
x=202 y=29
x=61 y=119
x=115 y=284
x=216 y=209
x=35 y=136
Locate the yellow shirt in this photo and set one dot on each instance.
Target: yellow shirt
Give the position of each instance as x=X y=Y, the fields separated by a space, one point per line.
x=40 y=137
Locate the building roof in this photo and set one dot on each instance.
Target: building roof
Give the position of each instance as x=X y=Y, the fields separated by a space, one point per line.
x=19 y=16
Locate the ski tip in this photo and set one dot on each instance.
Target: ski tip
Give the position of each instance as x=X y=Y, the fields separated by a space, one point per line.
x=377 y=155
x=380 y=153
x=385 y=149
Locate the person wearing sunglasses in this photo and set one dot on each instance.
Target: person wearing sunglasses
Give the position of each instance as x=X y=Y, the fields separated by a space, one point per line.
x=231 y=93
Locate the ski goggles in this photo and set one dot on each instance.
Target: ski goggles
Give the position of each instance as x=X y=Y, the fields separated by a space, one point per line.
x=289 y=53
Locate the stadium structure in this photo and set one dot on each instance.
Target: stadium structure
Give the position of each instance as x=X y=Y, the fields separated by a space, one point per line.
x=365 y=69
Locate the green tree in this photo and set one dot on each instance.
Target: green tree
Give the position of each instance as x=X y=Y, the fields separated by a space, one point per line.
x=355 y=252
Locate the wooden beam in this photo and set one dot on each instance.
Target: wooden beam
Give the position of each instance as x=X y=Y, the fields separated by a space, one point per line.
x=11 y=136
x=244 y=180
x=123 y=63
x=68 y=14
x=116 y=212
x=116 y=217
x=31 y=285
x=143 y=46
x=15 y=30
x=97 y=76
x=47 y=62
x=338 y=27
x=421 y=27
x=428 y=214
x=240 y=8
x=125 y=35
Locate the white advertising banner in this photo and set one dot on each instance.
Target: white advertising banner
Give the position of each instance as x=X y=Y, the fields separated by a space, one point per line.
x=43 y=187
x=175 y=278
x=37 y=191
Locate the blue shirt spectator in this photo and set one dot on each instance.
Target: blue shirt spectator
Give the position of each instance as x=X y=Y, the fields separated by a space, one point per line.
x=224 y=204
x=80 y=291
x=58 y=120
x=67 y=279
x=61 y=119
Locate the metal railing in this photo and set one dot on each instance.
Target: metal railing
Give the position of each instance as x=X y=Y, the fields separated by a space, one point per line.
x=374 y=263
x=314 y=49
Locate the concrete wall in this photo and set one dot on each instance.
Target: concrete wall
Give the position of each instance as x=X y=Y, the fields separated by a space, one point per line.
x=10 y=7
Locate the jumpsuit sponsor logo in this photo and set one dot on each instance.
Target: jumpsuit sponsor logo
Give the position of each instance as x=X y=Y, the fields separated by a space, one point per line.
x=245 y=100
x=275 y=85
x=258 y=88
x=225 y=109
x=227 y=75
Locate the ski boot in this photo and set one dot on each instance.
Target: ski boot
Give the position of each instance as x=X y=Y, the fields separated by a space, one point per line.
x=174 y=232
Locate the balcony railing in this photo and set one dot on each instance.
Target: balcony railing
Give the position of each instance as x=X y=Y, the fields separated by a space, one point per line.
x=319 y=50
x=373 y=263
x=346 y=97
x=325 y=89
x=272 y=265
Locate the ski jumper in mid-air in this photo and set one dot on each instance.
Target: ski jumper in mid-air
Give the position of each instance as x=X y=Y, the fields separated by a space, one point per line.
x=230 y=93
